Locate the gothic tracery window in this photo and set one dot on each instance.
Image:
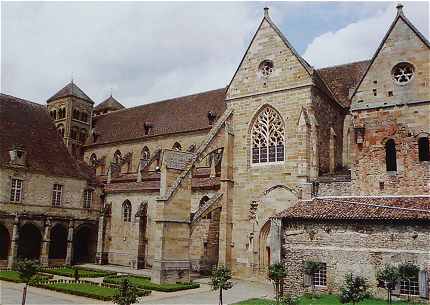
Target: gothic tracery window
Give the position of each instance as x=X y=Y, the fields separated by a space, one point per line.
x=267 y=136
x=402 y=73
x=126 y=211
x=266 y=68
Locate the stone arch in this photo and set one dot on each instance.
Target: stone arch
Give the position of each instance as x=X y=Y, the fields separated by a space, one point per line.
x=264 y=252
x=30 y=241
x=58 y=242
x=177 y=146
x=4 y=242
x=266 y=143
x=85 y=244
x=203 y=200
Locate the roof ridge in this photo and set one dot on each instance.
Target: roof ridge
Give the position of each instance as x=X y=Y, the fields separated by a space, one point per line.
x=378 y=205
x=18 y=99
x=345 y=64
x=163 y=101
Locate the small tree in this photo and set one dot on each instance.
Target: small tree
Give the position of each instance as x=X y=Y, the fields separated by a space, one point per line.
x=277 y=273
x=407 y=272
x=388 y=277
x=126 y=295
x=76 y=274
x=26 y=269
x=310 y=269
x=221 y=279
x=354 y=289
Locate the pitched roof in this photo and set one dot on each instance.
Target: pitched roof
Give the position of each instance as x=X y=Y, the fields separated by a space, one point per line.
x=340 y=79
x=361 y=208
x=400 y=15
x=110 y=103
x=29 y=125
x=181 y=114
x=71 y=89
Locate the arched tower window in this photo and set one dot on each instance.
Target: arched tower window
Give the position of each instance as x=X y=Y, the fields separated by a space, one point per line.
x=145 y=154
x=83 y=136
x=423 y=149
x=60 y=129
x=203 y=200
x=93 y=160
x=390 y=156
x=267 y=137
x=126 y=211
x=117 y=157
x=177 y=146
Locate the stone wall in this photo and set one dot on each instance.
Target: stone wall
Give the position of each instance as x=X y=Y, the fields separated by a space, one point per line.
x=360 y=248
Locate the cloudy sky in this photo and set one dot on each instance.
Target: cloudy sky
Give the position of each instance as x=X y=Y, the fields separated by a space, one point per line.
x=147 y=51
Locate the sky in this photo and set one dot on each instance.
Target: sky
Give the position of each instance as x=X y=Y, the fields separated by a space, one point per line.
x=148 y=51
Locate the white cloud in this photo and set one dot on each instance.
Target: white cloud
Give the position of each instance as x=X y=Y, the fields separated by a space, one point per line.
x=144 y=51
x=359 y=40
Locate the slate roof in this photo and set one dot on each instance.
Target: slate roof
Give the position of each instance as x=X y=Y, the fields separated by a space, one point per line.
x=181 y=114
x=29 y=125
x=110 y=103
x=340 y=79
x=71 y=89
x=360 y=208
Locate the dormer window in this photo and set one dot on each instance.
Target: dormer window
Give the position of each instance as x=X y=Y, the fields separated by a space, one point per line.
x=147 y=126
x=17 y=155
x=403 y=73
x=211 y=117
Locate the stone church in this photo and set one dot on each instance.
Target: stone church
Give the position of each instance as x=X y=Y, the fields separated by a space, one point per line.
x=287 y=163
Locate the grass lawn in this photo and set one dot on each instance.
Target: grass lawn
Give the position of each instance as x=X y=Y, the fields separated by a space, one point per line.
x=83 y=272
x=323 y=300
x=145 y=283
x=13 y=276
x=85 y=290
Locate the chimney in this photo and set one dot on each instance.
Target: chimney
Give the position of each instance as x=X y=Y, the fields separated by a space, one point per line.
x=266 y=12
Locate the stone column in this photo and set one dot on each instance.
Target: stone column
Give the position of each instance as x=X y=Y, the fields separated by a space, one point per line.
x=69 y=254
x=14 y=243
x=275 y=240
x=44 y=257
x=100 y=255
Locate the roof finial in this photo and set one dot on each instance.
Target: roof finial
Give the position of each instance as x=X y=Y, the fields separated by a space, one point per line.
x=266 y=12
x=110 y=91
x=399 y=8
x=71 y=76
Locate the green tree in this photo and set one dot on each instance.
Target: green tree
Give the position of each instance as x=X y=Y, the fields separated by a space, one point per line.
x=310 y=269
x=388 y=277
x=221 y=280
x=126 y=295
x=76 y=274
x=26 y=269
x=407 y=272
x=354 y=289
x=277 y=274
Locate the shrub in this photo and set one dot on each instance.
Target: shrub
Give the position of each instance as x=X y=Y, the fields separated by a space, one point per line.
x=354 y=289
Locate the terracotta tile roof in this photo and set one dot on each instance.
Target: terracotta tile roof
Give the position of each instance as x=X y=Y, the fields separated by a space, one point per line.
x=110 y=103
x=361 y=208
x=149 y=186
x=71 y=89
x=340 y=79
x=29 y=124
x=181 y=114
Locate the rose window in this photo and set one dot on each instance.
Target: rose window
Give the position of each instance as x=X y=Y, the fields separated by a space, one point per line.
x=403 y=73
x=266 y=68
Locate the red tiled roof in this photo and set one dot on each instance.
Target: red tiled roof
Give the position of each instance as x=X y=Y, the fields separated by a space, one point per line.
x=181 y=114
x=340 y=79
x=29 y=125
x=150 y=186
x=361 y=208
x=71 y=89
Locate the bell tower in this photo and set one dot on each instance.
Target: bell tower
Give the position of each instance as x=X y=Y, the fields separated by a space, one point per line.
x=71 y=110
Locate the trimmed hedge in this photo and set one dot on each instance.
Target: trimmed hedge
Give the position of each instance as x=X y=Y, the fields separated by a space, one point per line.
x=13 y=276
x=145 y=283
x=83 y=272
x=85 y=289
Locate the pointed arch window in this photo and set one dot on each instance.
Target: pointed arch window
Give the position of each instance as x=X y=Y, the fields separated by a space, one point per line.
x=126 y=211
x=267 y=137
x=93 y=160
x=145 y=153
x=117 y=157
x=177 y=146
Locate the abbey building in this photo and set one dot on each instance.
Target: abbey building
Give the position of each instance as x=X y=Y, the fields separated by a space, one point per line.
x=287 y=163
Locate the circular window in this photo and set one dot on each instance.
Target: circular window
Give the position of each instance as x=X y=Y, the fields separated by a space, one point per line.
x=402 y=73
x=266 y=68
